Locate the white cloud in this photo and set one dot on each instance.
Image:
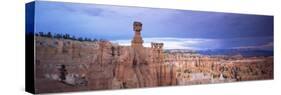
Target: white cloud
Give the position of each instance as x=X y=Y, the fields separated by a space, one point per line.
x=264 y=46
x=173 y=43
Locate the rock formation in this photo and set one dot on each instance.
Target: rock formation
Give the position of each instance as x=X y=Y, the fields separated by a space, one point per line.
x=133 y=71
x=137 y=40
x=70 y=65
x=101 y=64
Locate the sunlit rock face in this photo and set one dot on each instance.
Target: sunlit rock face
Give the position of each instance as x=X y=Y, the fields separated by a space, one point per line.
x=101 y=65
x=133 y=69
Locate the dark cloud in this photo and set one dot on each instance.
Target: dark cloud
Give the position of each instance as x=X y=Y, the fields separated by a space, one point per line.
x=115 y=23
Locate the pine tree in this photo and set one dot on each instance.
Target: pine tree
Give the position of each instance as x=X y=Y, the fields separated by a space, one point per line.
x=49 y=35
x=41 y=34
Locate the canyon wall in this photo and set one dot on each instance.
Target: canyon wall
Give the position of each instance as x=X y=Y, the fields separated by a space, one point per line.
x=97 y=65
x=199 y=69
x=69 y=65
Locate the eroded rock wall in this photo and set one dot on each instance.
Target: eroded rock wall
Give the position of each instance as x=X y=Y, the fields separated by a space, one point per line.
x=99 y=65
x=69 y=65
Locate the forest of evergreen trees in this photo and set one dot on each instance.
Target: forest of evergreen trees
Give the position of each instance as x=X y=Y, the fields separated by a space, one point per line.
x=66 y=36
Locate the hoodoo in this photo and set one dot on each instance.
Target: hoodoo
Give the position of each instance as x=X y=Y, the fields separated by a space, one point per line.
x=137 y=40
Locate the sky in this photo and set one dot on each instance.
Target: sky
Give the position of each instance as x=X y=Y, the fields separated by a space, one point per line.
x=177 y=29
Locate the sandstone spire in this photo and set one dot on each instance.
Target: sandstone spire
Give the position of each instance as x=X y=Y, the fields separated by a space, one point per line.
x=137 y=40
